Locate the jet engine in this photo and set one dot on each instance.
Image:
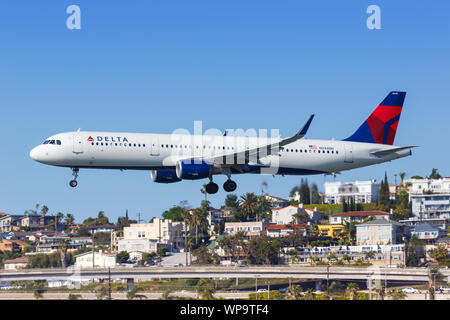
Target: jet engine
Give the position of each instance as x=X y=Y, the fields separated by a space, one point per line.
x=187 y=169
x=164 y=176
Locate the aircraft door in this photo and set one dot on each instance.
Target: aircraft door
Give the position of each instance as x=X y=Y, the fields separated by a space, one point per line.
x=348 y=153
x=77 y=144
x=154 y=147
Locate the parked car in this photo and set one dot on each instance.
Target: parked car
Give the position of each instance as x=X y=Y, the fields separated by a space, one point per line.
x=263 y=290
x=240 y=266
x=410 y=290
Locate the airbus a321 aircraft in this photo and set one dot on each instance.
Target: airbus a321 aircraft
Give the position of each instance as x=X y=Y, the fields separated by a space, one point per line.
x=176 y=157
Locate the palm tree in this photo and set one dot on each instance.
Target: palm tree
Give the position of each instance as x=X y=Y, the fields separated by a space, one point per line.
x=205 y=289
x=309 y=294
x=264 y=186
x=295 y=292
x=249 y=204
x=203 y=190
x=381 y=292
x=402 y=177
x=370 y=255
x=132 y=294
x=70 y=219
x=352 y=289
x=63 y=244
x=347 y=258
x=44 y=210
x=38 y=294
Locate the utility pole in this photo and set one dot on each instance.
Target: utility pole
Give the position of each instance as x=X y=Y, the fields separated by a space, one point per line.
x=109 y=283
x=328 y=279
x=139 y=217
x=93 y=251
x=256 y=288
x=268 y=291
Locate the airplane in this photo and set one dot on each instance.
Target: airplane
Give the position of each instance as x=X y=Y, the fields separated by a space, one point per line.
x=175 y=157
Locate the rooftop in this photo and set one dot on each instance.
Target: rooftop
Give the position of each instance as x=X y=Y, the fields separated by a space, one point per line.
x=425 y=227
x=18 y=260
x=286 y=226
x=360 y=214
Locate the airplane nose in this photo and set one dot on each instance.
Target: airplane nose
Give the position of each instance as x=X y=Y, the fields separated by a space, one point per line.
x=36 y=154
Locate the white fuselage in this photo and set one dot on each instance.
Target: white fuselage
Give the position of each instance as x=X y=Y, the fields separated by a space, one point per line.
x=142 y=151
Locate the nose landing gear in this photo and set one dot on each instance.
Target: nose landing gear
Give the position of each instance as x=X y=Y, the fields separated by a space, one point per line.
x=73 y=183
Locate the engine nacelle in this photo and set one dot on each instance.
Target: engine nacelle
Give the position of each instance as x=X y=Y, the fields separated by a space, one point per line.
x=164 y=176
x=187 y=169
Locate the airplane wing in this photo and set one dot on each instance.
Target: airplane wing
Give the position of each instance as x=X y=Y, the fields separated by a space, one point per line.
x=254 y=154
x=386 y=152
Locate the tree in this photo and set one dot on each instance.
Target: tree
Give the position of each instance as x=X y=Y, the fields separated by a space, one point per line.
x=203 y=255
x=397 y=294
x=295 y=292
x=70 y=219
x=44 y=210
x=38 y=294
x=336 y=287
x=205 y=289
x=402 y=177
x=249 y=205
x=370 y=255
x=309 y=294
x=122 y=257
x=315 y=195
x=384 y=195
x=352 y=289
x=440 y=253
x=435 y=174
x=175 y=213
x=102 y=293
x=62 y=248
x=73 y=296
x=231 y=201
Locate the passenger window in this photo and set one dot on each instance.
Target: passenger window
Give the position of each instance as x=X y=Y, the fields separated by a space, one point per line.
x=101 y=143
x=52 y=142
x=92 y=143
x=143 y=145
x=106 y=143
x=337 y=152
x=134 y=145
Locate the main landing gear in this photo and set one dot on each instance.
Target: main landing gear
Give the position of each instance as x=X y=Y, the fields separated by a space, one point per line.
x=228 y=186
x=73 y=183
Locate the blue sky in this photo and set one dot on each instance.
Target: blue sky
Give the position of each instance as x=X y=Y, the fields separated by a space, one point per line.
x=155 y=66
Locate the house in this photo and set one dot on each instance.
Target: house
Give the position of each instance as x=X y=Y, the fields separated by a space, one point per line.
x=53 y=243
x=134 y=245
x=283 y=230
x=101 y=228
x=40 y=222
x=357 y=216
x=215 y=216
x=164 y=231
x=427 y=232
x=330 y=230
x=430 y=198
x=277 y=202
x=13 y=245
x=381 y=231
x=100 y=260
x=383 y=255
x=10 y=223
x=286 y=215
x=441 y=223
x=250 y=229
x=358 y=191
x=18 y=263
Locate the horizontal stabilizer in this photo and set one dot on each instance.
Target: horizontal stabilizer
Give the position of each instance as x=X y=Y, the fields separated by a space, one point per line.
x=383 y=153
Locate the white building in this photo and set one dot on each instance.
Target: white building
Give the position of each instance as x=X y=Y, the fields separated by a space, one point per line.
x=101 y=260
x=381 y=231
x=141 y=245
x=287 y=214
x=163 y=231
x=359 y=191
x=430 y=198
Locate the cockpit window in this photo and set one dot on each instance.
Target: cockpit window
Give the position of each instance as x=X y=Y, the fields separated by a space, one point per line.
x=58 y=142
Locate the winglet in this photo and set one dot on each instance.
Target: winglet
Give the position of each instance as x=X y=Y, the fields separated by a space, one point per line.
x=305 y=127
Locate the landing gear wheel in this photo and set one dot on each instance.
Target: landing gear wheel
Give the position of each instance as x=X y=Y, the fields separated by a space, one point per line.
x=73 y=183
x=212 y=188
x=229 y=185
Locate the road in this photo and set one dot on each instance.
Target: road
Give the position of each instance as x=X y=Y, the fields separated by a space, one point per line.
x=221 y=272
x=12 y=295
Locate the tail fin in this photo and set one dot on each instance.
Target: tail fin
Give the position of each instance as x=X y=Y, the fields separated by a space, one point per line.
x=381 y=125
